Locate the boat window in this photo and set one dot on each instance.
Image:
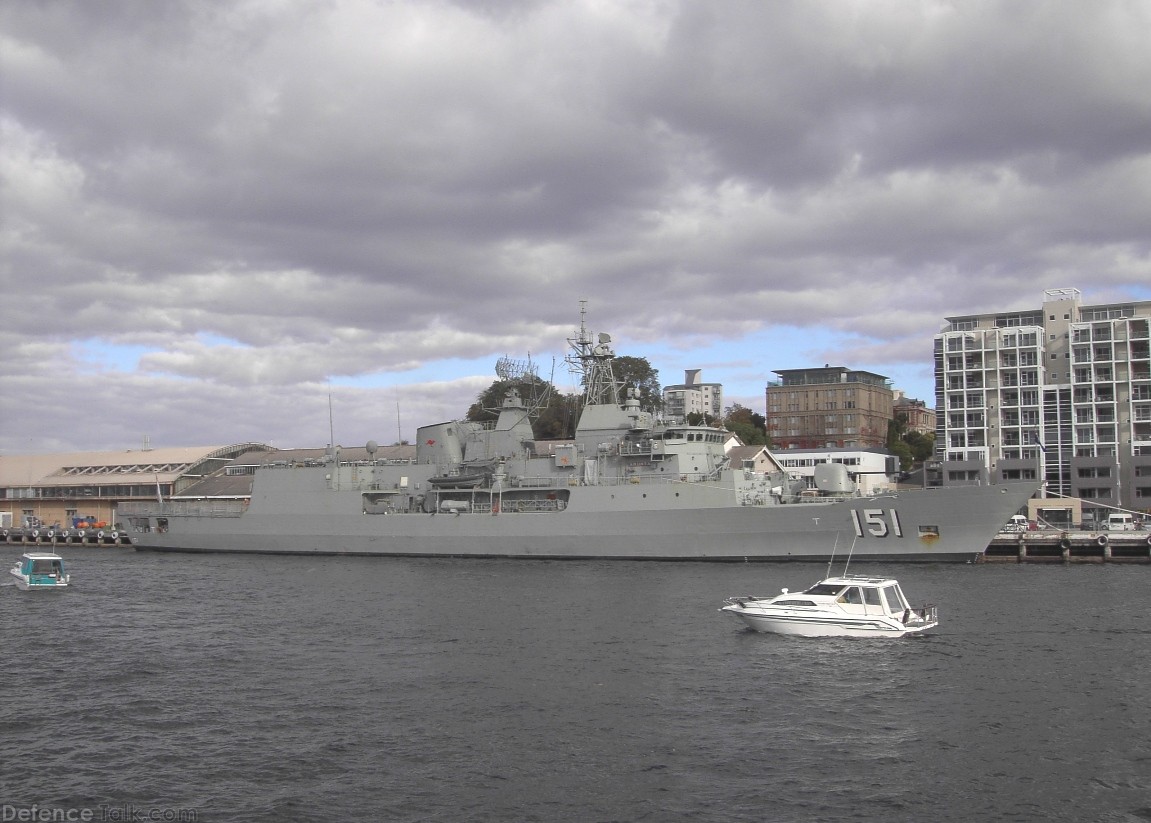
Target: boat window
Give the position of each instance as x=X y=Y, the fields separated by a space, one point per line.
x=852 y=596
x=793 y=603
x=824 y=588
x=871 y=597
x=895 y=601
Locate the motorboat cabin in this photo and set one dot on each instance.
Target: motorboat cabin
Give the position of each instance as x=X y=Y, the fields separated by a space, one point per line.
x=40 y=570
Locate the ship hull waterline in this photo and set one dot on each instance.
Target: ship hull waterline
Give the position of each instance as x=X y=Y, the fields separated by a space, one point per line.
x=930 y=525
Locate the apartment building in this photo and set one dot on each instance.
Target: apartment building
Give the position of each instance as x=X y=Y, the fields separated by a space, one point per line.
x=693 y=395
x=829 y=407
x=1059 y=394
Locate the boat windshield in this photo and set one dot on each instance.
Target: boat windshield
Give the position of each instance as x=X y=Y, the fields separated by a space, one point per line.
x=825 y=588
x=894 y=597
x=852 y=596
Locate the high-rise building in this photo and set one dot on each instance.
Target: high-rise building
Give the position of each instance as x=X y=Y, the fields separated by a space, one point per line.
x=829 y=407
x=693 y=396
x=1060 y=394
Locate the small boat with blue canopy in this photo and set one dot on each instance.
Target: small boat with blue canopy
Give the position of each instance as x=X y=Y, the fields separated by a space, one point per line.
x=40 y=570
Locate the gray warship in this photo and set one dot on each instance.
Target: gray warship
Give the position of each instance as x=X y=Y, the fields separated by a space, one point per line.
x=628 y=486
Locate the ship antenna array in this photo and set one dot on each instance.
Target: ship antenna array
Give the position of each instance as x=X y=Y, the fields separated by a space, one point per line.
x=516 y=370
x=592 y=360
x=525 y=373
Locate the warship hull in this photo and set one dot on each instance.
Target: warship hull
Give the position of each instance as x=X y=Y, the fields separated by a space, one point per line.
x=295 y=512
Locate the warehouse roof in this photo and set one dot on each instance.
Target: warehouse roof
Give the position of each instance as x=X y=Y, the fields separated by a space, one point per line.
x=162 y=465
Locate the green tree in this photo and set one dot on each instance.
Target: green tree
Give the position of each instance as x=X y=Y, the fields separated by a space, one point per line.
x=555 y=413
x=912 y=447
x=922 y=445
x=749 y=426
x=896 y=428
x=698 y=419
x=488 y=404
x=637 y=373
x=903 y=451
x=557 y=420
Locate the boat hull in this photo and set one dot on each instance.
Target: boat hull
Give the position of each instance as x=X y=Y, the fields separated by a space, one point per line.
x=825 y=625
x=24 y=584
x=290 y=514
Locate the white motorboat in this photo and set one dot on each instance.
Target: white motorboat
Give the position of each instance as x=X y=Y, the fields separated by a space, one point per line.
x=847 y=606
x=40 y=570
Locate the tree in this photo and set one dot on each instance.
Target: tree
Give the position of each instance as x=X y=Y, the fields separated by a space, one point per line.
x=556 y=413
x=903 y=451
x=896 y=428
x=922 y=445
x=488 y=404
x=637 y=373
x=912 y=447
x=749 y=426
x=557 y=420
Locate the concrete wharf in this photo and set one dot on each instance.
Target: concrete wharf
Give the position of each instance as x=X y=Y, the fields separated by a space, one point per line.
x=1054 y=546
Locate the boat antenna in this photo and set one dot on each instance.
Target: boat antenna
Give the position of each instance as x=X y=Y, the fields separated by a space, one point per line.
x=832 y=558
x=849 y=553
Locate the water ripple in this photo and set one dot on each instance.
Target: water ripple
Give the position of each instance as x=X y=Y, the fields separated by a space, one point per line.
x=281 y=689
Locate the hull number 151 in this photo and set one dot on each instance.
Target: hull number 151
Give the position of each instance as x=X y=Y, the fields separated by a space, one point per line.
x=876 y=523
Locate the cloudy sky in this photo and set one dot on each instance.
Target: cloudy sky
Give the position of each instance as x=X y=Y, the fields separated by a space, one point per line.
x=218 y=215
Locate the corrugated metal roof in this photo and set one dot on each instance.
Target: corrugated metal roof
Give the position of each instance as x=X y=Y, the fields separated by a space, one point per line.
x=78 y=468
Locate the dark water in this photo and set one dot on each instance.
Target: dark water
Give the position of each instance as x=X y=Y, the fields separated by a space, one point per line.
x=274 y=688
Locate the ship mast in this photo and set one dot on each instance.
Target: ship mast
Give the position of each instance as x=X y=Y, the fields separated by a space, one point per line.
x=593 y=361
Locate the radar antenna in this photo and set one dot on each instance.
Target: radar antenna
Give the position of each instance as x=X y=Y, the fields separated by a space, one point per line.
x=516 y=370
x=524 y=377
x=592 y=360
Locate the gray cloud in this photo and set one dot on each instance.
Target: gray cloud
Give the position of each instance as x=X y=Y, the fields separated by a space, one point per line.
x=257 y=198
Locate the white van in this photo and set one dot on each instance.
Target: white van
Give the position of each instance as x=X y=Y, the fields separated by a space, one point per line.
x=1120 y=523
x=1016 y=523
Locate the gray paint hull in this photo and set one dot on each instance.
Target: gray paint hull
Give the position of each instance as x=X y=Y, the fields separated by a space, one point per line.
x=292 y=514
